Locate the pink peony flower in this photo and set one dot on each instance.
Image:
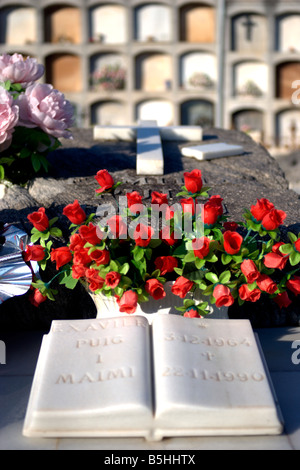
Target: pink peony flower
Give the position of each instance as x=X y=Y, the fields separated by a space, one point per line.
x=19 y=70
x=9 y=115
x=43 y=106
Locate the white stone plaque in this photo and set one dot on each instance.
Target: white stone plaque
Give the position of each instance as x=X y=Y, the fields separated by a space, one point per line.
x=176 y=377
x=212 y=151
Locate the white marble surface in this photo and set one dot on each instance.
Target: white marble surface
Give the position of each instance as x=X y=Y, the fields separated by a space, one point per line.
x=16 y=376
x=212 y=151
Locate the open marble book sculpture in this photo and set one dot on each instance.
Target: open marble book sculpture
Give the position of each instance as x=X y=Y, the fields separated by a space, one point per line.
x=176 y=377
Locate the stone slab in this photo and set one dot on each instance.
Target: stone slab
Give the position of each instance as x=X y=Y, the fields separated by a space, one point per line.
x=129 y=133
x=211 y=151
x=149 y=153
x=93 y=379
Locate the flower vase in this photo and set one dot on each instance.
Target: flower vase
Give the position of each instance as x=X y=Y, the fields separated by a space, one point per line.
x=107 y=307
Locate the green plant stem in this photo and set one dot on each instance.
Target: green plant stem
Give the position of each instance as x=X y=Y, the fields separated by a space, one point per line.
x=47 y=284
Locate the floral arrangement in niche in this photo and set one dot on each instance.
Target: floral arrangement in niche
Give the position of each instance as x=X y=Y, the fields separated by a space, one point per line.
x=109 y=78
x=33 y=117
x=250 y=88
x=130 y=256
x=201 y=80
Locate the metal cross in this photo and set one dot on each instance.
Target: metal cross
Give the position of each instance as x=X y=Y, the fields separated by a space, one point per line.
x=249 y=25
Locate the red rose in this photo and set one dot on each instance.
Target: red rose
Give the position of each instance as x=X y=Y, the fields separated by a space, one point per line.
x=134 y=200
x=61 y=256
x=75 y=213
x=188 y=205
x=273 y=219
x=100 y=256
x=90 y=233
x=94 y=279
x=165 y=264
x=282 y=300
x=212 y=210
x=159 y=198
x=232 y=226
x=34 y=253
x=250 y=271
x=297 y=245
x=193 y=181
x=81 y=256
x=182 y=286
x=128 y=302
x=201 y=247
x=167 y=237
x=223 y=296
x=192 y=313
x=261 y=209
x=39 y=219
x=142 y=235
x=117 y=226
x=36 y=297
x=294 y=285
x=76 y=242
x=250 y=295
x=155 y=289
x=276 y=259
x=105 y=181
x=266 y=284
x=112 y=279
x=78 y=270
x=232 y=242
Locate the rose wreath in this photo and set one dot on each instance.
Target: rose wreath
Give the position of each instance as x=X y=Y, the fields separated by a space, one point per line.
x=226 y=261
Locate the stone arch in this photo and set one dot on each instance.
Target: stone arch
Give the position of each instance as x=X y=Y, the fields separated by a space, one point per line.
x=155 y=110
x=152 y=22
x=197 y=23
x=287 y=32
x=198 y=70
x=250 y=121
x=250 y=79
x=108 y=23
x=62 y=24
x=18 y=25
x=197 y=112
x=153 y=71
x=108 y=112
x=249 y=32
x=111 y=64
x=286 y=74
x=63 y=71
x=287 y=125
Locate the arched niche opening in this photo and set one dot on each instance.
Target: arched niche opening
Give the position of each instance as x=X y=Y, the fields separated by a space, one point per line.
x=287 y=127
x=197 y=23
x=63 y=71
x=152 y=22
x=62 y=24
x=249 y=33
x=250 y=121
x=108 y=24
x=250 y=79
x=198 y=70
x=286 y=74
x=287 y=33
x=108 y=113
x=153 y=72
x=107 y=72
x=18 y=25
x=160 y=111
x=197 y=112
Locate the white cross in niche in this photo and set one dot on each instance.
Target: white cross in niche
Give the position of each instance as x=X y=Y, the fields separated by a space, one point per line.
x=148 y=136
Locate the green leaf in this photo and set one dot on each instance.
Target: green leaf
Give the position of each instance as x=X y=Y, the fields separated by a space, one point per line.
x=178 y=271
x=69 y=281
x=212 y=277
x=190 y=256
x=138 y=253
x=124 y=269
x=35 y=162
x=2 y=172
x=292 y=237
x=286 y=249
x=225 y=258
x=294 y=258
x=55 y=232
x=225 y=277
x=199 y=263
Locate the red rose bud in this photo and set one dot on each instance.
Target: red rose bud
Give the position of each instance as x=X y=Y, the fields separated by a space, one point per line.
x=201 y=247
x=165 y=264
x=266 y=284
x=182 y=286
x=36 y=297
x=118 y=227
x=273 y=219
x=76 y=242
x=159 y=198
x=294 y=285
x=112 y=279
x=78 y=271
x=212 y=210
x=39 y=219
x=133 y=199
x=75 y=213
x=128 y=302
x=193 y=181
x=250 y=271
x=297 y=245
x=232 y=242
x=250 y=295
x=261 y=209
x=81 y=256
x=94 y=279
x=100 y=256
x=188 y=205
x=61 y=256
x=276 y=259
x=167 y=237
x=142 y=235
x=90 y=233
x=232 y=226
x=282 y=300
x=155 y=288
x=34 y=253
x=223 y=296
x=192 y=312
x=105 y=181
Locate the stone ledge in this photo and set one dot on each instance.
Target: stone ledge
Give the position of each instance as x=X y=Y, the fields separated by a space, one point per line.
x=240 y=180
